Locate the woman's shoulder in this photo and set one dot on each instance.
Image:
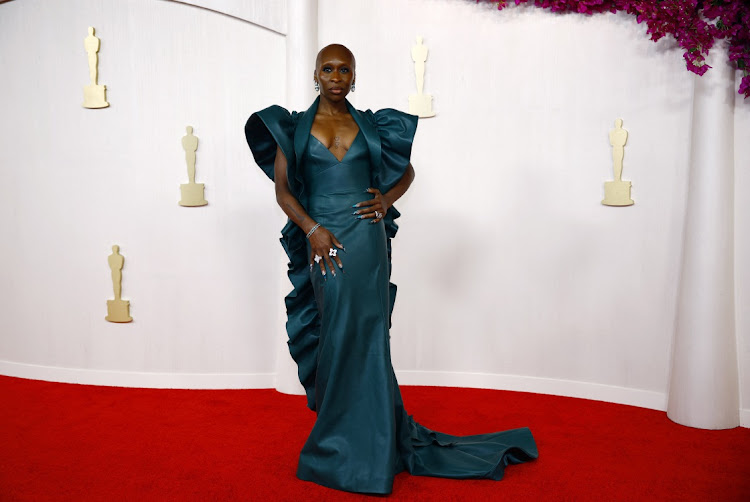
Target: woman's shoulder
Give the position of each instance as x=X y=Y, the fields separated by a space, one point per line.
x=384 y=115
x=389 y=122
x=279 y=114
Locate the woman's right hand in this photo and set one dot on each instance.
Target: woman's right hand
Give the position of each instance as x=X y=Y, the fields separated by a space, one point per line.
x=324 y=244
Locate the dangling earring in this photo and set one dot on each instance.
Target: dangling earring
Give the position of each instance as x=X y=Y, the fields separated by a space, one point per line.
x=353 y=86
x=316 y=86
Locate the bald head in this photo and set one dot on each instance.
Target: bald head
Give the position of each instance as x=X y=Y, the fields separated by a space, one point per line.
x=334 y=50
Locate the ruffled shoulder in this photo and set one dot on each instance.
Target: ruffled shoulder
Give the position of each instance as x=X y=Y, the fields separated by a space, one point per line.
x=396 y=131
x=390 y=134
x=266 y=129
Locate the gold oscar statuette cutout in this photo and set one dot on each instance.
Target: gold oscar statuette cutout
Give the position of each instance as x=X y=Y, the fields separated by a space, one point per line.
x=192 y=193
x=617 y=192
x=420 y=104
x=94 y=95
x=118 y=310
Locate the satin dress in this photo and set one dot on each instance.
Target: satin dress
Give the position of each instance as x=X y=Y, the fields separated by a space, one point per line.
x=339 y=326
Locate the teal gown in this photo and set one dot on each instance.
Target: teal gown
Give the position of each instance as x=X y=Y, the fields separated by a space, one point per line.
x=338 y=326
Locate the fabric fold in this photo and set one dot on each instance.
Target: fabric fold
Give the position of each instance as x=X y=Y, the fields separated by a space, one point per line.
x=463 y=457
x=265 y=130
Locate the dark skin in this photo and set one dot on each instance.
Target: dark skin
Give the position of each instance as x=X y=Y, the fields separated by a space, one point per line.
x=336 y=129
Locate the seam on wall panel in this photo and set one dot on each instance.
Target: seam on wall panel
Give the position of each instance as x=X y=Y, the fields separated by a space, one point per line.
x=149 y=380
x=569 y=388
x=279 y=30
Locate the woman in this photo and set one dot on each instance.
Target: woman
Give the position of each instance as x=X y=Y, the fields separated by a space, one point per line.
x=324 y=162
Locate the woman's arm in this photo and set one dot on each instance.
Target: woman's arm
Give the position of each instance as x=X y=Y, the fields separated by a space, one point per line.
x=289 y=204
x=382 y=202
x=321 y=240
x=400 y=188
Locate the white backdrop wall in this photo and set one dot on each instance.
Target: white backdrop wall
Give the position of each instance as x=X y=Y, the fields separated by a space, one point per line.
x=511 y=272
x=203 y=282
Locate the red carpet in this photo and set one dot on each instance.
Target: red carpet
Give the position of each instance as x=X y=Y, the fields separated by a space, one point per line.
x=85 y=443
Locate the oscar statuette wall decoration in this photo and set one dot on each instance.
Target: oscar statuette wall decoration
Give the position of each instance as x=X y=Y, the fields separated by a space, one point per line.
x=191 y=192
x=94 y=95
x=118 y=310
x=420 y=104
x=617 y=192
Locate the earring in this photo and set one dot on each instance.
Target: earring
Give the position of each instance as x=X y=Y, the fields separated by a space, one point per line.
x=316 y=86
x=353 y=86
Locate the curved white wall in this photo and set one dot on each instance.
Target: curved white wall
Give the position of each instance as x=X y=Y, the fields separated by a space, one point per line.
x=511 y=272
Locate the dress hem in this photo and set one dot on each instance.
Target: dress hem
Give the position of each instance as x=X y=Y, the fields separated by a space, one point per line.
x=381 y=490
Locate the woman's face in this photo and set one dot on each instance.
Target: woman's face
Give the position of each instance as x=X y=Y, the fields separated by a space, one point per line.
x=335 y=73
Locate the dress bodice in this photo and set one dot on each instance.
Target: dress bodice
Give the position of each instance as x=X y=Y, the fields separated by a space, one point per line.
x=334 y=186
x=324 y=174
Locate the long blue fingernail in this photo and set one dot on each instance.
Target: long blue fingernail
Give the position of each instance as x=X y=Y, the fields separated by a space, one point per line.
x=355 y=205
x=360 y=216
x=354 y=212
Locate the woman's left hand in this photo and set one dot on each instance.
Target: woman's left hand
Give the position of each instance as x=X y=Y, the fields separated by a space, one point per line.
x=373 y=209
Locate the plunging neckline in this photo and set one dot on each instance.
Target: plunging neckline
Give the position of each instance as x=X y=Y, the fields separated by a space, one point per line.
x=341 y=160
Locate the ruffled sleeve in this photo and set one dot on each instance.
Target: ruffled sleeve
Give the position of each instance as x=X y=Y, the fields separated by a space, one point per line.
x=266 y=129
x=396 y=130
